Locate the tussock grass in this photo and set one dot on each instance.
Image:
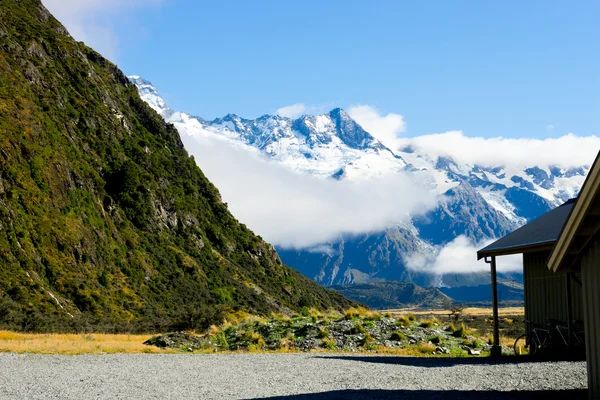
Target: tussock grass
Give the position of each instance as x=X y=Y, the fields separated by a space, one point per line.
x=461 y=332
x=76 y=343
x=353 y=313
x=426 y=348
x=397 y=336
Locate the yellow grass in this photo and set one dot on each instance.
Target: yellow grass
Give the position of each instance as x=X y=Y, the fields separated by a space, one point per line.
x=75 y=343
x=473 y=311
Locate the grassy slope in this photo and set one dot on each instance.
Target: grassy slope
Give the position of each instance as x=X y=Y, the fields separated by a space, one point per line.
x=103 y=215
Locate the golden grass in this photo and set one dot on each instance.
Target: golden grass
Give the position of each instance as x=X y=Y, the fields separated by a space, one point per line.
x=94 y=343
x=472 y=311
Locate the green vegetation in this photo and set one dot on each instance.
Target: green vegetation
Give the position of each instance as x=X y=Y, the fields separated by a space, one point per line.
x=336 y=332
x=460 y=332
x=437 y=339
x=397 y=336
x=106 y=223
x=388 y=295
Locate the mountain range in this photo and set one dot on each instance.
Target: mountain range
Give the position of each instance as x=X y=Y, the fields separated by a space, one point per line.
x=475 y=201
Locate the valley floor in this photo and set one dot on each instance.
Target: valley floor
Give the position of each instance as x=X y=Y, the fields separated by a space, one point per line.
x=287 y=376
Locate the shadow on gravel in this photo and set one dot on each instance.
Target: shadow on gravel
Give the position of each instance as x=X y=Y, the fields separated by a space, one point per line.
x=435 y=362
x=438 y=394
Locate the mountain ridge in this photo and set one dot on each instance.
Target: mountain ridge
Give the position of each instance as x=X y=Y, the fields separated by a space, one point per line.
x=479 y=202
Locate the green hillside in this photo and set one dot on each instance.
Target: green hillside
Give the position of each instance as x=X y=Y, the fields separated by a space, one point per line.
x=106 y=223
x=393 y=294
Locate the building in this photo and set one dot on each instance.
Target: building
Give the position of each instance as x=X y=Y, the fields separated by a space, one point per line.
x=561 y=268
x=578 y=249
x=547 y=294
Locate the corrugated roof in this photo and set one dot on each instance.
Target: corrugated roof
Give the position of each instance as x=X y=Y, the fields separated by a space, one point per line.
x=541 y=231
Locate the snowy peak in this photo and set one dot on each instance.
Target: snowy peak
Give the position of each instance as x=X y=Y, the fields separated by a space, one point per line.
x=333 y=145
x=149 y=94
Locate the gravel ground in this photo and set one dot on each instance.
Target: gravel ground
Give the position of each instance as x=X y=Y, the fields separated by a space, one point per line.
x=289 y=376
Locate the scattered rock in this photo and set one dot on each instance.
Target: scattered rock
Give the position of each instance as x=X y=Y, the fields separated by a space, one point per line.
x=178 y=340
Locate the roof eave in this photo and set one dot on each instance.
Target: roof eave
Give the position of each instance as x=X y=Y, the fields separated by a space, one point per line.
x=531 y=248
x=575 y=218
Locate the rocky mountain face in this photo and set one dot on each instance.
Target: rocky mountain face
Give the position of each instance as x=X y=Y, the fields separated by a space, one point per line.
x=479 y=202
x=105 y=220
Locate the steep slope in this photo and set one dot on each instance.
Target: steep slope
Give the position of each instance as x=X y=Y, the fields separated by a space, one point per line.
x=478 y=202
x=105 y=221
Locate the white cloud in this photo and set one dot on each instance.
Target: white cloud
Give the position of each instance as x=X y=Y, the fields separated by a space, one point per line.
x=293 y=111
x=92 y=21
x=458 y=256
x=566 y=151
x=300 y=211
x=385 y=128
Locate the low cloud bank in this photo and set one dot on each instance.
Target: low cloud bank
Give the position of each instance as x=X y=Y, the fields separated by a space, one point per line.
x=298 y=211
x=566 y=151
x=459 y=257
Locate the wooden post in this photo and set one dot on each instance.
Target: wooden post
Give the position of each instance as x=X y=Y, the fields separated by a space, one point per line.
x=569 y=310
x=496 y=349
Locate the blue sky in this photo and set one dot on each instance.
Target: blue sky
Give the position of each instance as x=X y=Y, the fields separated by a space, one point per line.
x=511 y=68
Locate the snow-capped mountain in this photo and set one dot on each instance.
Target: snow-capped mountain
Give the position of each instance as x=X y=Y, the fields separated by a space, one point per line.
x=476 y=201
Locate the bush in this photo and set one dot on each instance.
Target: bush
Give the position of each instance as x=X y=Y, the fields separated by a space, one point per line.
x=403 y=321
x=368 y=339
x=426 y=348
x=426 y=323
x=411 y=317
x=437 y=339
x=397 y=336
x=328 y=344
x=450 y=328
x=460 y=332
x=323 y=334
x=358 y=328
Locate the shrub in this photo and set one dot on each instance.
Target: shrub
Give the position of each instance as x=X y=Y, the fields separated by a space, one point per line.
x=388 y=314
x=373 y=316
x=322 y=333
x=358 y=328
x=411 y=317
x=287 y=343
x=221 y=341
x=460 y=332
x=450 y=328
x=328 y=344
x=426 y=348
x=351 y=313
x=397 y=336
x=426 y=323
x=435 y=339
x=403 y=321
x=368 y=339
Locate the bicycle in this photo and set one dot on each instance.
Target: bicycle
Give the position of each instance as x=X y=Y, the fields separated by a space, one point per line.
x=537 y=338
x=577 y=337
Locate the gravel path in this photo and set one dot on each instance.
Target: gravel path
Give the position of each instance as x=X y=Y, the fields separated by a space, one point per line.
x=288 y=376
